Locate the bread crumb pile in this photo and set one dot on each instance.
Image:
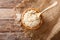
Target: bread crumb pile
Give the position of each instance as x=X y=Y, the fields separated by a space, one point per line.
x=31 y=18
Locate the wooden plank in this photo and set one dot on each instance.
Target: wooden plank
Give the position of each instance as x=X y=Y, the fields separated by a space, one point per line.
x=14 y=36
x=7 y=21
x=8 y=3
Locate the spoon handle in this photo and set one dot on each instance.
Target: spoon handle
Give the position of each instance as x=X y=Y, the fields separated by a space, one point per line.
x=49 y=7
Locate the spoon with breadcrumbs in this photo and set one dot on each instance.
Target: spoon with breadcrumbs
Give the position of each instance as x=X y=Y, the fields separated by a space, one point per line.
x=31 y=19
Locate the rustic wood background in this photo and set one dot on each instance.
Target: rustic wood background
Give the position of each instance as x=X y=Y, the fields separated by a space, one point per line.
x=9 y=31
x=9 y=3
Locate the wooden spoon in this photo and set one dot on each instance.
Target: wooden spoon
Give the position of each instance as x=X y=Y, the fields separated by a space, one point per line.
x=27 y=19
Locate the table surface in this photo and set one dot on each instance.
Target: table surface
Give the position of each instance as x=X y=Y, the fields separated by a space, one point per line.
x=9 y=31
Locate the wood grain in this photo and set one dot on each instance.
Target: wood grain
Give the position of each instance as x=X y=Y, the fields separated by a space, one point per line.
x=9 y=31
x=9 y=3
